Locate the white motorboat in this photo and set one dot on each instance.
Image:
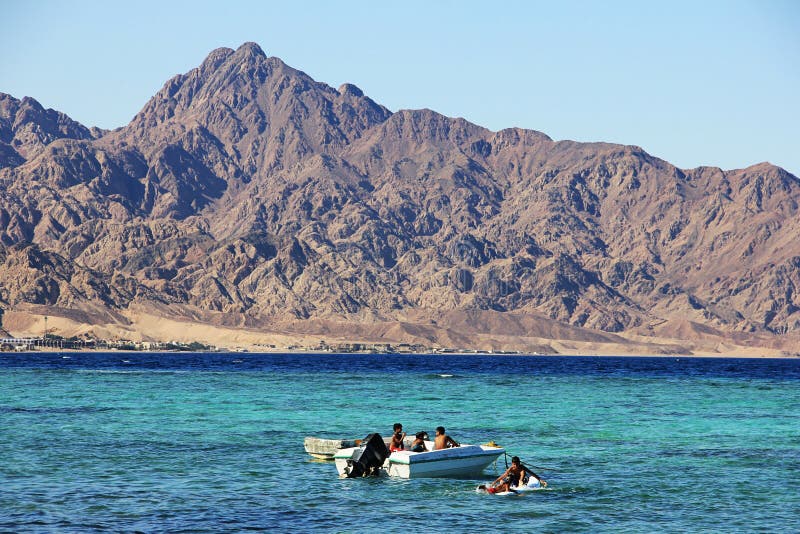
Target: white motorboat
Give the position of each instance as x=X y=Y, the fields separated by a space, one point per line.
x=457 y=462
x=324 y=449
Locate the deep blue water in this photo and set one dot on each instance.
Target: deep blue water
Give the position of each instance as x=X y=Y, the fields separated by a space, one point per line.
x=213 y=442
x=779 y=368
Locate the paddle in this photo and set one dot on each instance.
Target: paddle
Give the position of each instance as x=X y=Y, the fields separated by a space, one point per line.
x=538 y=467
x=528 y=469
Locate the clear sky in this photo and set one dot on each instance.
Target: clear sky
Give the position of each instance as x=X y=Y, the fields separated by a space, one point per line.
x=696 y=83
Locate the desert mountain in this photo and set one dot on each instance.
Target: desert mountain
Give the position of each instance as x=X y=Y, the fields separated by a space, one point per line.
x=247 y=194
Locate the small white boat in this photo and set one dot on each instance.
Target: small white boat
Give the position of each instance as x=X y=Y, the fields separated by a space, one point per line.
x=324 y=449
x=463 y=461
x=457 y=462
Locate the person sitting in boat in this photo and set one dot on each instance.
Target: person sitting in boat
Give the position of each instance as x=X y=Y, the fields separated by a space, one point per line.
x=419 y=442
x=514 y=477
x=397 y=439
x=442 y=440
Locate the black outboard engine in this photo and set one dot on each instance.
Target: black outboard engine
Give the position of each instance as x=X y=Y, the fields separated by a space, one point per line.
x=367 y=459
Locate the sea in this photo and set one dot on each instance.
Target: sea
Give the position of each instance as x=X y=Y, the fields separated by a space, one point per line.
x=213 y=442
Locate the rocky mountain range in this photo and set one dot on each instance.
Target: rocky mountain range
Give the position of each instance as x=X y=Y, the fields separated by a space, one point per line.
x=248 y=196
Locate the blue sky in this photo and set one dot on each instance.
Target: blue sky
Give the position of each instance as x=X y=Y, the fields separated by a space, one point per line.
x=696 y=83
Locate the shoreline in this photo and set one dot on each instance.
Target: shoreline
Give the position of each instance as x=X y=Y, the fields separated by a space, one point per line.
x=51 y=350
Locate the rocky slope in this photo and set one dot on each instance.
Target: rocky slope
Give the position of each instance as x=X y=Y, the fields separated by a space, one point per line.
x=246 y=189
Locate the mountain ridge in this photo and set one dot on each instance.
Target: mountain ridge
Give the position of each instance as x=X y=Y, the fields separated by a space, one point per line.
x=246 y=187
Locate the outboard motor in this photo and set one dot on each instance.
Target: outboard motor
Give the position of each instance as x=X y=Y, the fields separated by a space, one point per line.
x=367 y=459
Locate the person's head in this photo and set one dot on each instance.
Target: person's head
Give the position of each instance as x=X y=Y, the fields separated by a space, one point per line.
x=515 y=460
x=398 y=427
x=440 y=431
x=421 y=435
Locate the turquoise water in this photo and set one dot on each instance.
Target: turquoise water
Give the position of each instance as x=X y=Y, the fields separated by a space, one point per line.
x=178 y=442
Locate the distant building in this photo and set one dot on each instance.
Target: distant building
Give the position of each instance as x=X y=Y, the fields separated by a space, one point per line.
x=19 y=344
x=148 y=345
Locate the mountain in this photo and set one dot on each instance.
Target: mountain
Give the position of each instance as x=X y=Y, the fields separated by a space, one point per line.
x=246 y=195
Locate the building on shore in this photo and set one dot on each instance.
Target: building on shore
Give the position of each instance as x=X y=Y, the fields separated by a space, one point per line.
x=9 y=344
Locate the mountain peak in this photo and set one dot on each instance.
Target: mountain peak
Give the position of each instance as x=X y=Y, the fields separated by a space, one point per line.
x=251 y=49
x=766 y=167
x=270 y=112
x=26 y=127
x=216 y=58
x=348 y=89
x=30 y=102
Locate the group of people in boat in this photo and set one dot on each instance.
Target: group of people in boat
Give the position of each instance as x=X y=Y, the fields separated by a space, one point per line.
x=441 y=441
x=516 y=476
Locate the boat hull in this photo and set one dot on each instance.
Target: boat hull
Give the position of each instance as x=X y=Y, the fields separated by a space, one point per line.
x=459 y=462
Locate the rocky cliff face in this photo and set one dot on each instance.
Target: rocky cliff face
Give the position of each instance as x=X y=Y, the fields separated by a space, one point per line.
x=246 y=187
x=26 y=127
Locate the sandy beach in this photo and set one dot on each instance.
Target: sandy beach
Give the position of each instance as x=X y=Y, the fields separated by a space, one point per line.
x=316 y=337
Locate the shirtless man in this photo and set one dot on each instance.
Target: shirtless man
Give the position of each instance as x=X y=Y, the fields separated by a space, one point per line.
x=513 y=477
x=442 y=440
x=397 y=438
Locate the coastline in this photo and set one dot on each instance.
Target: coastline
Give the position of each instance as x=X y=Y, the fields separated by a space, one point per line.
x=542 y=337
x=572 y=354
